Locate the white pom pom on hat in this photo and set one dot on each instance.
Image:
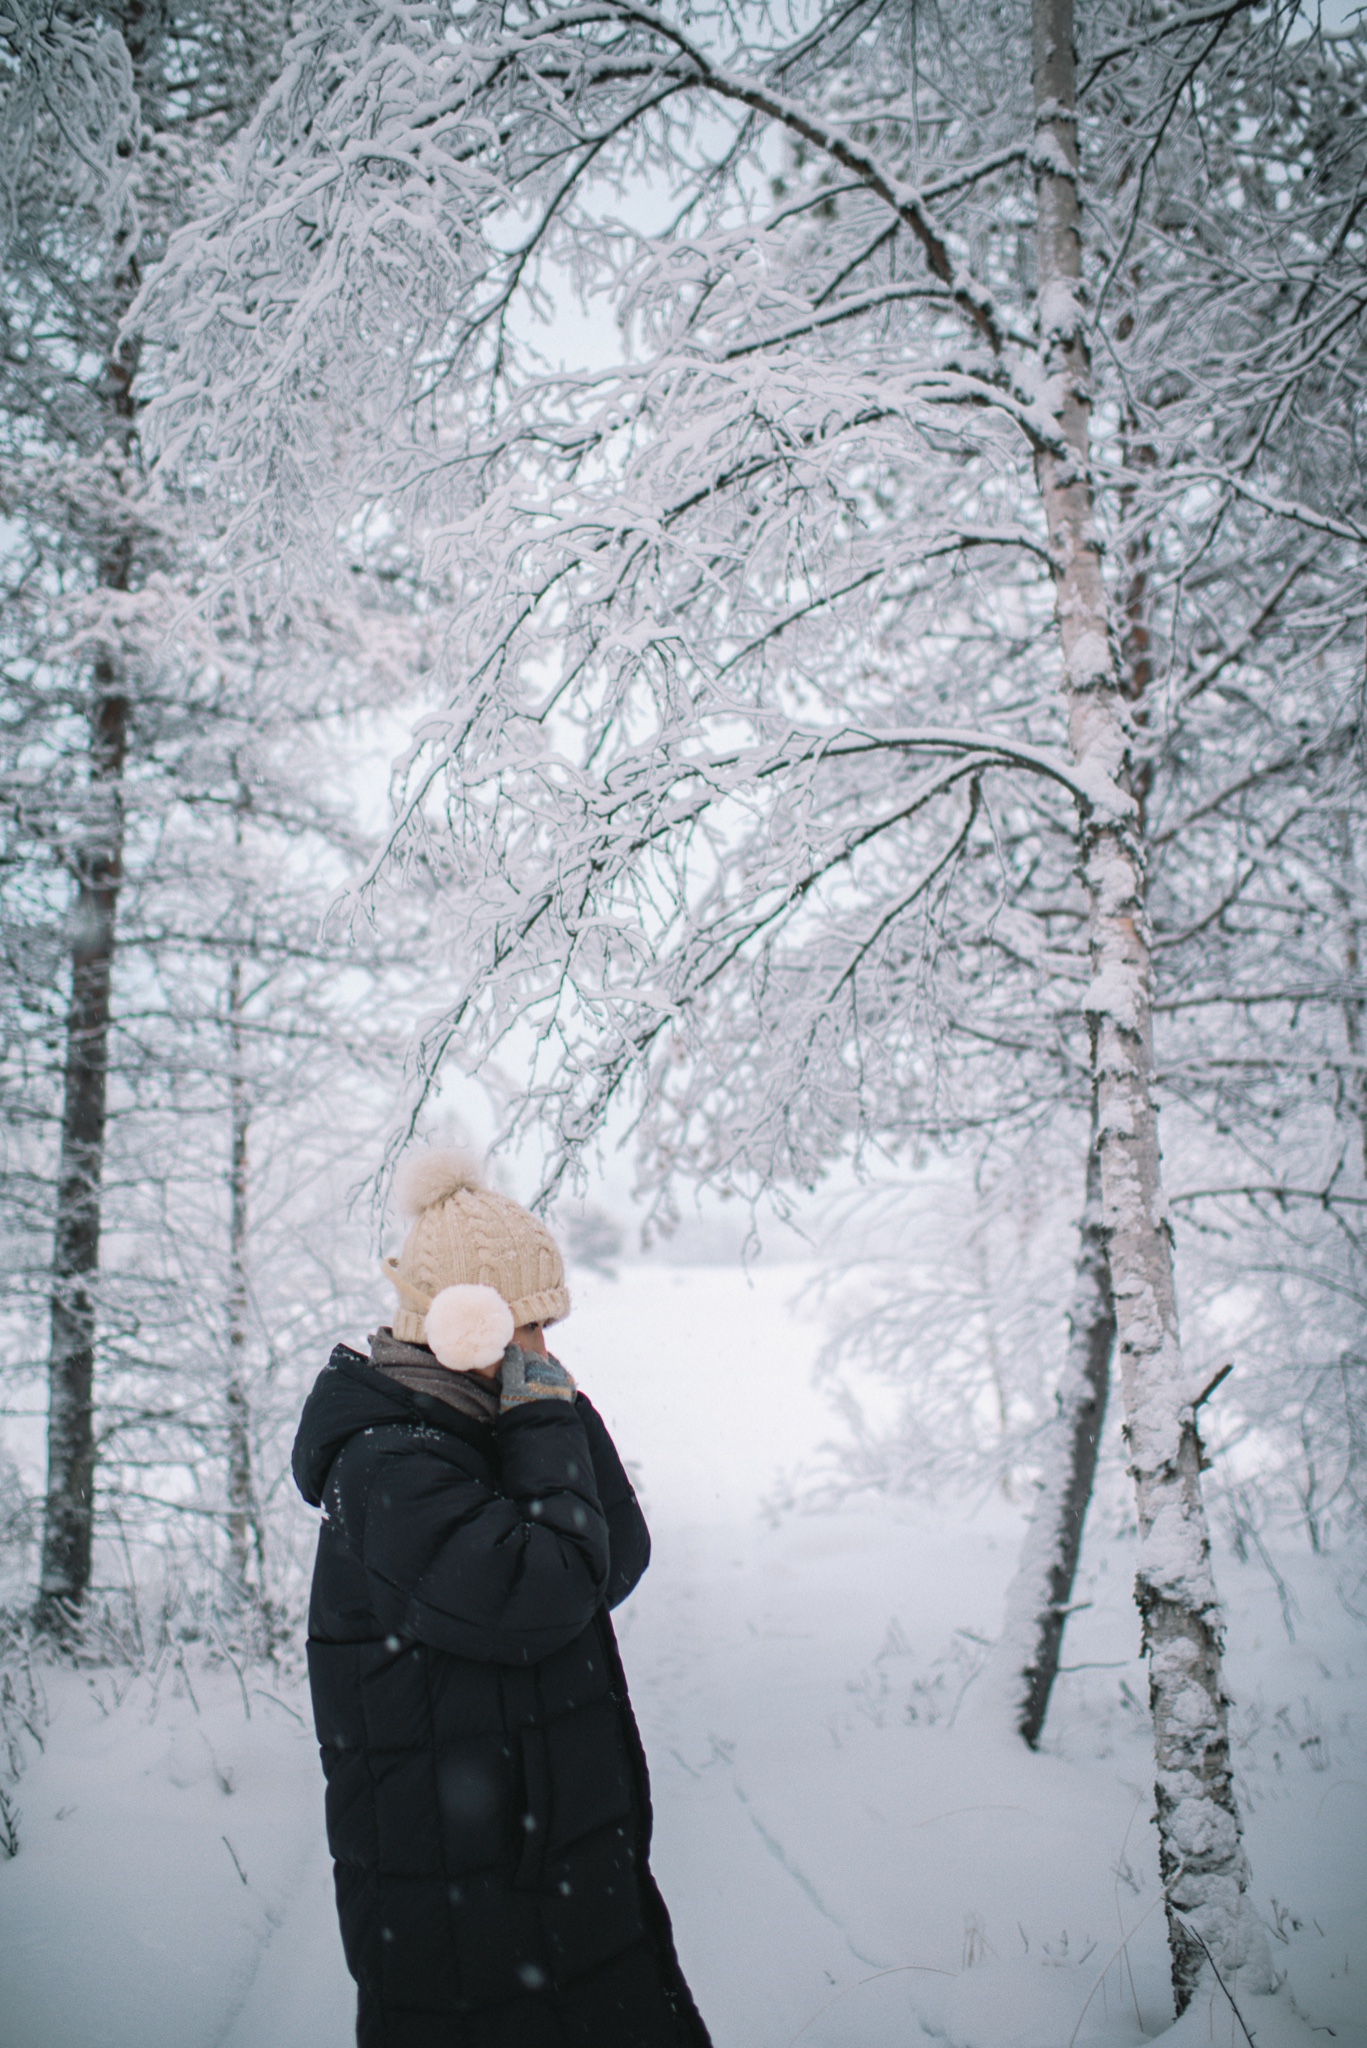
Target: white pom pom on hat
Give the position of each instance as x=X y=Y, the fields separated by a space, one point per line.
x=468 y=1327
x=428 y=1177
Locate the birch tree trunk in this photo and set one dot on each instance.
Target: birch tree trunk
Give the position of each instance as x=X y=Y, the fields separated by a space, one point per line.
x=1038 y=1599
x=1204 y=1871
x=68 y=1521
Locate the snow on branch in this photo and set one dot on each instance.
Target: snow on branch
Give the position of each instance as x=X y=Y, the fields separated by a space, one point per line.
x=69 y=117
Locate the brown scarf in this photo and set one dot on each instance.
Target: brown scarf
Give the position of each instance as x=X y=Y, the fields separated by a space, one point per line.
x=414 y=1367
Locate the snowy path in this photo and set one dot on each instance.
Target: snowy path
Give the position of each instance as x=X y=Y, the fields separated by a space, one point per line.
x=846 y=1867
x=300 y=1995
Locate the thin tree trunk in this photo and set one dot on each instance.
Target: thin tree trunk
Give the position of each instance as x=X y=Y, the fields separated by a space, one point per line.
x=1039 y=1599
x=1346 y=891
x=245 y=1544
x=68 y=1515
x=68 y=1522
x=1204 y=1871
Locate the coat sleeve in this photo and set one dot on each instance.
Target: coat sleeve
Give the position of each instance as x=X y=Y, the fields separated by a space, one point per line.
x=504 y=1568
x=629 y=1538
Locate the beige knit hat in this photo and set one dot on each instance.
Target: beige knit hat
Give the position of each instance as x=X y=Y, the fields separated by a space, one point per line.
x=465 y=1235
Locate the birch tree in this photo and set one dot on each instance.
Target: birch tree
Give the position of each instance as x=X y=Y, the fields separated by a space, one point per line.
x=1200 y=1857
x=798 y=774
x=1242 y=618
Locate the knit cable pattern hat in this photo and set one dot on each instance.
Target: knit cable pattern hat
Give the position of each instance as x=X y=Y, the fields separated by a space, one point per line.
x=464 y=1234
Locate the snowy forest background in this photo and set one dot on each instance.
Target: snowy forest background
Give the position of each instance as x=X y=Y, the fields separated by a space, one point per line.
x=764 y=612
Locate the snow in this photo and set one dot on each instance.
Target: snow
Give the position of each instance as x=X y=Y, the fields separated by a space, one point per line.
x=1089 y=660
x=1049 y=154
x=1060 y=309
x=1116 y=991
x=852 y=1857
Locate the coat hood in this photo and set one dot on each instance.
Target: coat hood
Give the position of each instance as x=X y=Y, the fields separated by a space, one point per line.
x=348 y=1397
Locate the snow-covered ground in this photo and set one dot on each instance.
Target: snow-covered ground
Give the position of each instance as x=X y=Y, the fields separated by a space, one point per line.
x=851 y=1859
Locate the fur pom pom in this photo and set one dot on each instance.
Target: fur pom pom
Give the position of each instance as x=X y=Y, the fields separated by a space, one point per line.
x=429 y=1177
x=468 y=1327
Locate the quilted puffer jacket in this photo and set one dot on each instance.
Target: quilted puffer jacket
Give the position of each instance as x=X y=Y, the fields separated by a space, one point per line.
x=488 y=1808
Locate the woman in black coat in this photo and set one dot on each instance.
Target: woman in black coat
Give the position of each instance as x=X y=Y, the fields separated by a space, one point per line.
x=488 y=1808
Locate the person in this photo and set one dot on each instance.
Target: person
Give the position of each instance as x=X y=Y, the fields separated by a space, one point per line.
x=487 y=1800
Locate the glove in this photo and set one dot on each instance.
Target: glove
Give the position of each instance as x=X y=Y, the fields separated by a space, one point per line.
x=527 y=1376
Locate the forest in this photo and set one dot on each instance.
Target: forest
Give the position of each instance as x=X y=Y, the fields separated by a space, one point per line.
x=665 y=592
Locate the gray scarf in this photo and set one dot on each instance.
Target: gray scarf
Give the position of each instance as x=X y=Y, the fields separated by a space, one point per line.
x=414 y=1367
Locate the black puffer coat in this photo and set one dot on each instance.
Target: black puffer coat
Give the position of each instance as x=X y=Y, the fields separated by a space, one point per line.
x=488 y=1809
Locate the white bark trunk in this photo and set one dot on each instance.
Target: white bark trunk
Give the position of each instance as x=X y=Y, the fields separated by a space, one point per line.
x=1205 y=1875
